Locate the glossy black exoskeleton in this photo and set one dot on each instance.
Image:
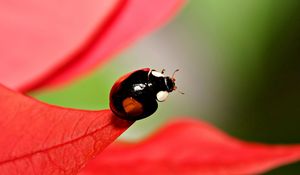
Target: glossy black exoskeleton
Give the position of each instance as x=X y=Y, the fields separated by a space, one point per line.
x=134 y=96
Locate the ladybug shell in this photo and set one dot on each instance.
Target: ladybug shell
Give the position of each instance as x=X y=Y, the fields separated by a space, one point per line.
x=131 y=98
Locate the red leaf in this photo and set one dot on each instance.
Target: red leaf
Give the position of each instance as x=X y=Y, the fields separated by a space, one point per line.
x=38 y=37
x=44 y=39
x=135 y=19
x=37 y=138
x=191 y=147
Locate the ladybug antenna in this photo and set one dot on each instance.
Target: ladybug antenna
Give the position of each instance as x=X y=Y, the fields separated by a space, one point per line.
x=180 y=92
x=173 y=79
x=163 y=71
x=175 y=89
x=174 y=73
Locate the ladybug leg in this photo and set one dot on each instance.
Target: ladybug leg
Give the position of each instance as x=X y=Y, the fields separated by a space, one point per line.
x=174 y=73
x=163 y=71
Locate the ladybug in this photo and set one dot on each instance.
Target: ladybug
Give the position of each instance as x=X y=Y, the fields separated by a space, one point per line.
x=134 y=96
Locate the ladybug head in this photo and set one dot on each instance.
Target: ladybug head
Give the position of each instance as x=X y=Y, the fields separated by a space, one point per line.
x=163 y=83
x=170 y=84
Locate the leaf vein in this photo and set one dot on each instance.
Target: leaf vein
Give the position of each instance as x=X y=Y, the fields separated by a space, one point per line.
x=52 y=147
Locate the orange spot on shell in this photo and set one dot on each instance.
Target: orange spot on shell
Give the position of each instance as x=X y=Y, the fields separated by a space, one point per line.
x=132 y=107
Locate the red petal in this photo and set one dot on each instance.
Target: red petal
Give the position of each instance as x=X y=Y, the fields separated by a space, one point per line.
x=38 y=37
x=43 y=44
x=37 y=138
x=191 y=147
x=135 y=19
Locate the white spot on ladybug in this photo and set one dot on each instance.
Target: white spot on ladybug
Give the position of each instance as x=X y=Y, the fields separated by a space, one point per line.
x=157 y=74
x=138 y=87
x=162 y=96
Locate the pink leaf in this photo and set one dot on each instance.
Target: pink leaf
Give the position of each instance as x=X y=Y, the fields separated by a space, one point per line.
x=37 y=138
x=46 y=42
x=191 y=147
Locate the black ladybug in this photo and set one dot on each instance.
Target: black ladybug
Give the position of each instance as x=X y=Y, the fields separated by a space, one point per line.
x=134 y=96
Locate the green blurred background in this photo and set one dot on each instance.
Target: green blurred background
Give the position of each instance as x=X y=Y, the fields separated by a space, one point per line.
x=239 y=67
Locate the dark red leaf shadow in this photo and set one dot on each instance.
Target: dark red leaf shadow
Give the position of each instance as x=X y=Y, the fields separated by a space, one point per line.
x=37 y=138
x=191 y=147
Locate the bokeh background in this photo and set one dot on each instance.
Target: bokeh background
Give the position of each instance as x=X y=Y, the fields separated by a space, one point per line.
x=239 y=67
